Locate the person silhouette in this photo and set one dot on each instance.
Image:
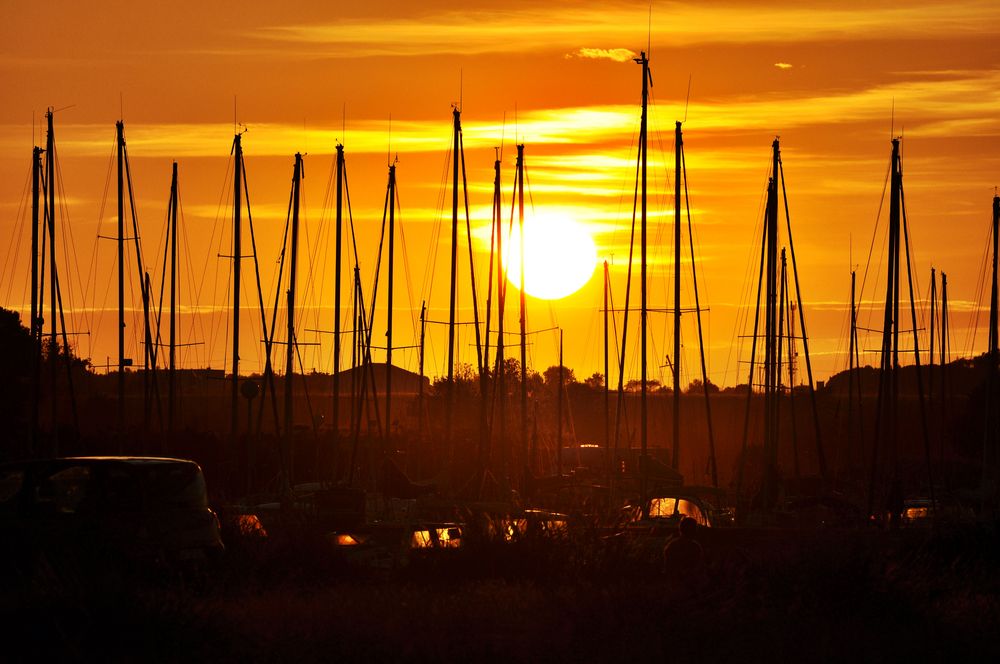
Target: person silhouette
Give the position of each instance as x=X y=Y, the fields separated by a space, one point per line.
x=684 y=559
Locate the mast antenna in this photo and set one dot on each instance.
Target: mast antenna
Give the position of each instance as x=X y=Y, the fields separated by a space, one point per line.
x=687 y=100
x=649 y=28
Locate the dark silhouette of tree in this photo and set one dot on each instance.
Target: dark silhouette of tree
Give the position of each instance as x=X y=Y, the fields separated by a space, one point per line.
x=696 y=387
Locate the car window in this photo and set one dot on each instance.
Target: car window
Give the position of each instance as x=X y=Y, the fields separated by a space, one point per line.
x=662 y=507
x=64 y=491
x=175 y=485
x=668 y=507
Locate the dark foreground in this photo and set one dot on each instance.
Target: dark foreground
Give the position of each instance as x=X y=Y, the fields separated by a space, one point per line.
x=868 y=596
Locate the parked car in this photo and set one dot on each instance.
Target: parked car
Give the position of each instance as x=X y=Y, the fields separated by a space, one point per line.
x=108 y=509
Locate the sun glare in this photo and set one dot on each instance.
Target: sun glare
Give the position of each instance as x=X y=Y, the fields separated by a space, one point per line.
x=560 y=256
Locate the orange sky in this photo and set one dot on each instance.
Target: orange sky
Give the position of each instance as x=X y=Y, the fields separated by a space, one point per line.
x=556 y=76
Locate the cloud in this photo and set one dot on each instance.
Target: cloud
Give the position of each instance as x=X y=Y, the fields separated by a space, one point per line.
x=615 y=54
x=782 y=65
x=479 y=31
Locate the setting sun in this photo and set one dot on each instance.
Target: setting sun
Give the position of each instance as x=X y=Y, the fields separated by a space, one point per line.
x=560 y=257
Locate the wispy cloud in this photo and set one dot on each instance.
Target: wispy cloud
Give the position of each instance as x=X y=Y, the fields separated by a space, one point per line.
x=615 y=54
x=564 y=28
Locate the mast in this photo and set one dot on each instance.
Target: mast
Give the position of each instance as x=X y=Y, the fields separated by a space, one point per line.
x=388 y=333
x=501 y=372
x=237 y=257
x=120 y=151
x=35 y=323
x=337 y=288
x=523 y=312
x=643 y=462
x=678 y=147
x=607 y=378
x=771 y=332
x=457 y=126
x=50 y=180
x=290 y=334
x=559 y=401
x=991 y=438
x=420 y=389
x=171 y=360
x=850 y=366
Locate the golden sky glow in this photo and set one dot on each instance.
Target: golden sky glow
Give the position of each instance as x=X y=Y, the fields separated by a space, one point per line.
x=834 y=81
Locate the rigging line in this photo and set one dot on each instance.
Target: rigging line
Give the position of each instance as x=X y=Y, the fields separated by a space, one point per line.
x=472 y=266
x=18 y=233
x=414 y=323
x=427 y=287
x=268 y=335
x=743 y=307
x=253 y=246
x=980 y=291
x=68 y=232
x=224 y=199
x=620 y=405
x=871 y=246
x=269 y=339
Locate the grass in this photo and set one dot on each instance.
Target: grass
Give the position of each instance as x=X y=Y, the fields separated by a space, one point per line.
x=860 y=596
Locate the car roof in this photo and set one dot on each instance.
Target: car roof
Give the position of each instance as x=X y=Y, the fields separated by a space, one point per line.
x=98 y=460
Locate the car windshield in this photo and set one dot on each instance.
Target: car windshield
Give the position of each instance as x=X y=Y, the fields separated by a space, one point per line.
x=669 y=507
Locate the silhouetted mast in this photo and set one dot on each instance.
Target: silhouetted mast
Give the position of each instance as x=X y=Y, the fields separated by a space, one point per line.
x=501 y=371
x=643 y=459
x=388 y=333
x=887 y=414
x=237 y=258
x=171 y=360
x=678 y=147
x=286 y=479
x=120 y=152
x=36 y=305
x=559 y=408
x=991 y=438
x=50 y=181
x=453 y=275
x=338 y=268
x=523 y=317
x=607 y=378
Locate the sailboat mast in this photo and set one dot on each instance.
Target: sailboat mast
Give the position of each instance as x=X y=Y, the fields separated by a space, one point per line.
x=501 y=373
x=994 y=342
x=120 y=150
x=644 y=422
x=172 y=359
x=523 y=309
x=771 y=332
x=453 y=273
x=991 y=437
x=36 y=335
x=607 y=379
x=559 y=401
x=290 y=334
x=50 y=180
x=850 y=367
x=678 y=146
x=337 y=287
x=237 y=247
x=388 y=332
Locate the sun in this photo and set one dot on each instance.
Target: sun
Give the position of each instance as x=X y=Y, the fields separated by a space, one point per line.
x=560 y=256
